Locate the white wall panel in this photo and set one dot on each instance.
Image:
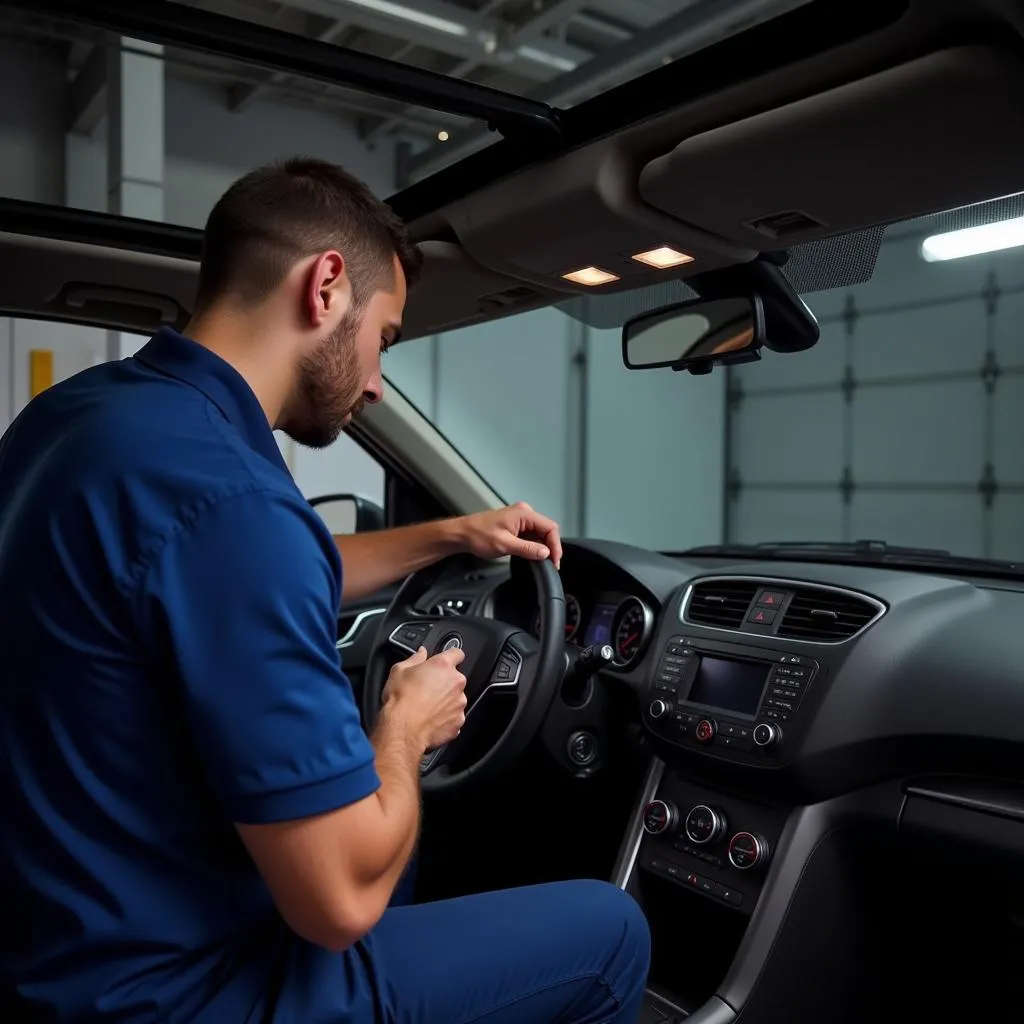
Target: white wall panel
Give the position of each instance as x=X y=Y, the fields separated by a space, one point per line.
x=1008 y=527
x=951 y=522
x=945 y=338
x=1008 y=329
x=786 y=515
x=655 y=452
x=919 y=433
x=789 y=438
x=502 y=402
x=1008 y=431
x=409 y=367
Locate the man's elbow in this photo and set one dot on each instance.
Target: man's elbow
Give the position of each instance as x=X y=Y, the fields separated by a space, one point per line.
x=339 y=927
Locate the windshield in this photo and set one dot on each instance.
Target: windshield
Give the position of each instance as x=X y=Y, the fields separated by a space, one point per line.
x=903 y=423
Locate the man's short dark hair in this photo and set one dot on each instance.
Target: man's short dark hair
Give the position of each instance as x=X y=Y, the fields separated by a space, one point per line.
x=276 y=215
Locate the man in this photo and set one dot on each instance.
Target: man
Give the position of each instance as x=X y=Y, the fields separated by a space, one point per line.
x=193 y=825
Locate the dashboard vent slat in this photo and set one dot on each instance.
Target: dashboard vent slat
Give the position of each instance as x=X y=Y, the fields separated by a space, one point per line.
x=825 y=616
x=720 y=603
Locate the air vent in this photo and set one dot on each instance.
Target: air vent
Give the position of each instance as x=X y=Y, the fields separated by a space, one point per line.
x=825 y=616
x=784 y=225
x=720 y=603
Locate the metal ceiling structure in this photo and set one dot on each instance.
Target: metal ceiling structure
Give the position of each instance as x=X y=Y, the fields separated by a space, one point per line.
x=554 y=52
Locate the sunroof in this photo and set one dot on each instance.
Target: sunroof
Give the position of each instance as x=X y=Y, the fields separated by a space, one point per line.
x=427 y=99
x=557 y=52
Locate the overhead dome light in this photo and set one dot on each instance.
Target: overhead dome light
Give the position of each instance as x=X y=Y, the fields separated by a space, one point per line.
x=590 y=276
x=953 y=245
x=663 y=257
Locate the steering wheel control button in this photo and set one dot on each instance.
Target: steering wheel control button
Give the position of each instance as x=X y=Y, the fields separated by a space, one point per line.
x=747 y=850
x=704 y=824
x=659 y=708
x=582 y=748
x=706 y=730
x=507 y=670
x=411 y=635
x=660 y=817
x=767 y=735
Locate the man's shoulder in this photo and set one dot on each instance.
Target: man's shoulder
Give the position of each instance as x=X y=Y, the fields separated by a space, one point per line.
x=114 y=454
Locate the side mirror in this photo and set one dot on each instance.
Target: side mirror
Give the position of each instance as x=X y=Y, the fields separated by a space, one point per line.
x=349 y=513
x=696 y=335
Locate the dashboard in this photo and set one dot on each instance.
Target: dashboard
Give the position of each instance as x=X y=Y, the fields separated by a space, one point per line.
x=805 y=724
x=803 y=679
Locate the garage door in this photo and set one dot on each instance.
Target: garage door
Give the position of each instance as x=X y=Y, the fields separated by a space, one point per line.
x=905 y=423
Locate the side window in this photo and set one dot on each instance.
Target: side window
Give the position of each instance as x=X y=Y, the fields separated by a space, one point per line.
x=343 y=482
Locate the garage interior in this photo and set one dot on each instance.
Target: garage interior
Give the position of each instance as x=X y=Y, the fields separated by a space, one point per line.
x=902 y=424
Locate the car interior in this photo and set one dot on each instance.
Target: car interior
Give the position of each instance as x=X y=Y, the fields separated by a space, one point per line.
x=804 y=760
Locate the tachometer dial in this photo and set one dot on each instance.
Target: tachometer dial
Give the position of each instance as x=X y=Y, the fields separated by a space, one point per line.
x=572 y=618
x=631 y=628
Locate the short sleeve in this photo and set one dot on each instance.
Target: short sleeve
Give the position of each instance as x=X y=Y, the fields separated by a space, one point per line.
x=241 y=607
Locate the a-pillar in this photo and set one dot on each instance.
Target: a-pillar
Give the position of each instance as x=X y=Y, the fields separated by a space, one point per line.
x=135 y=145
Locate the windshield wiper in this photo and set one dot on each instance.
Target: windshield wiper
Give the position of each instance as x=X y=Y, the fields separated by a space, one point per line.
x=858 y=552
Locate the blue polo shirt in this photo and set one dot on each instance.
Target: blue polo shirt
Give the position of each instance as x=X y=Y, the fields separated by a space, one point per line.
x=168 y=605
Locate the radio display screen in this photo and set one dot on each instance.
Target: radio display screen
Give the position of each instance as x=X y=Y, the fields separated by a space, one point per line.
x=729 y=685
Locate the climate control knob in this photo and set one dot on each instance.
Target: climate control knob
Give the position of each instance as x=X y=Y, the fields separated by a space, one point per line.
x=660 y=818
x=707 y=729
x=659 y=708
x=767 y=735
x=748 y=850
x=705 y=824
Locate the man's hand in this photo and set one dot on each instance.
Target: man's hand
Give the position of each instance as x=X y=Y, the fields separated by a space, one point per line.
x=428 y=696
x=516 y=530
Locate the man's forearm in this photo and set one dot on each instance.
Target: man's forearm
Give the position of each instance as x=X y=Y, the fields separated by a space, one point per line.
x=375 y=560
x=398 y=765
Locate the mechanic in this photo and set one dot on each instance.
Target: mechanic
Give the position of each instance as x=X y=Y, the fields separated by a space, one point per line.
x=194 y=825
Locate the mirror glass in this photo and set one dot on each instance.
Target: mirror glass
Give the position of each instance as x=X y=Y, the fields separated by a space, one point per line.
x=339 y=514
x=698 y=332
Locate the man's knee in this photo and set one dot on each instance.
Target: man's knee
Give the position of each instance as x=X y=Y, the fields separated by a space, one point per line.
x=613 y=918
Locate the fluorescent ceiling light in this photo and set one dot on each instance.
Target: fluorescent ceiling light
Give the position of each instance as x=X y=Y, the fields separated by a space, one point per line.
x=590 y=276
x=552 y=60
x=1004 y=234
x=663 y=257
x=400 y=11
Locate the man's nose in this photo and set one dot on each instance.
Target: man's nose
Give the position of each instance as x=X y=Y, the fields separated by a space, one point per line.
x=374 y=390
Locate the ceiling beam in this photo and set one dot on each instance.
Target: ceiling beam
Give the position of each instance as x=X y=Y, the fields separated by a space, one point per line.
x=555 y=13
x=700 y=24
x=87 y=95
x=439 y=25
x=242 y=96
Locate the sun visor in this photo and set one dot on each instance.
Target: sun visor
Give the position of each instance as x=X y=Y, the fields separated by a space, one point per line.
x=941 y=131
x=455 y=291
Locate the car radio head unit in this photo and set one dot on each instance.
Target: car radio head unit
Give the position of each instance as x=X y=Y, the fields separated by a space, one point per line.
x=726 y=696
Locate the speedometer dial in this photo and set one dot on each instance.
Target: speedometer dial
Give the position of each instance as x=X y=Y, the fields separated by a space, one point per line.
x=572 y=618
x=631 y=629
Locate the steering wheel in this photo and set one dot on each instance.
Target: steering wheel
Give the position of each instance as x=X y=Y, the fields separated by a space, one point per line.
x=500 y=659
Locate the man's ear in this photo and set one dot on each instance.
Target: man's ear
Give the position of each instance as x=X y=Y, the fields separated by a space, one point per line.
x=328 y=289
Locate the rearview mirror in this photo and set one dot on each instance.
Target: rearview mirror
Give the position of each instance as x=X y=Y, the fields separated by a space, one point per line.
x=348 y=513
x=696 y=335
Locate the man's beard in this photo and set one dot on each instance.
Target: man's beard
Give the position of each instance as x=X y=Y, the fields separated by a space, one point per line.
x=329 y=388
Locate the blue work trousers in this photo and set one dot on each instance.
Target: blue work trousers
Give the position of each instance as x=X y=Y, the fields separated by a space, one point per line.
x=563 y=953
